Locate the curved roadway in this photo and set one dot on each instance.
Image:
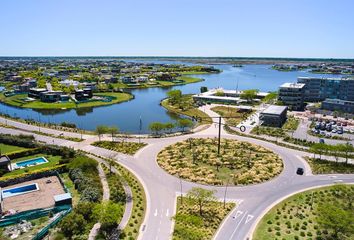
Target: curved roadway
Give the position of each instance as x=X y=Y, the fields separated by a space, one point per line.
x=162 y=188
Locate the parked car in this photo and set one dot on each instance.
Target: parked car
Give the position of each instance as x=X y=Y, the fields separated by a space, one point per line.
x=322 y=140
x=344 y=124
x=300 y=171
x=328 y=135
x=334 y=130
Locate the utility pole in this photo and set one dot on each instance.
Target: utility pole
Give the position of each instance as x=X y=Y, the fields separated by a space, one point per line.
x=39 y=122
x=180 y=182
x=219 y=136
x=227 y=183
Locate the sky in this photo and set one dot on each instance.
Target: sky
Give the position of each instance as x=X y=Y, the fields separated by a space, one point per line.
x=215 y=28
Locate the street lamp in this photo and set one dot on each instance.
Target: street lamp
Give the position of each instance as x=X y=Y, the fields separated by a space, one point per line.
x=227 y=184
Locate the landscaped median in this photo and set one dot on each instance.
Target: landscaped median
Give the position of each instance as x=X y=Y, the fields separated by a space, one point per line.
x=239 y=163
x=198 y=215
x=323 y=213
x=124 y=147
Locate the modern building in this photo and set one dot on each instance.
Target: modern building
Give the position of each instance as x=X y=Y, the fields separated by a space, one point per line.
x=51 y=96
x=35 y=92
x=319 y=89
x=336 y=93
x=292 y=95
x=273 y=116
x=220 y=95
x=338 y=105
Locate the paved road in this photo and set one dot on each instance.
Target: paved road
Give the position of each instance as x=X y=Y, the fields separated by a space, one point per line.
x=162 y=188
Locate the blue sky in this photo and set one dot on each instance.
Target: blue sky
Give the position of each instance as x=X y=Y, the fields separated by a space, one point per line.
x=240 y=28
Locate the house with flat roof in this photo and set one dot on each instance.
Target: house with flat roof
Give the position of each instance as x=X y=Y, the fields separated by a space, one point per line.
x=273 y=116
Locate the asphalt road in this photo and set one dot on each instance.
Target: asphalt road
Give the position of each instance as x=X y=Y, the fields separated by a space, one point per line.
x=161 y=188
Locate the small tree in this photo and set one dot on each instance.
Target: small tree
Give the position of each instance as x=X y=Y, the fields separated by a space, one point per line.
x=101 y=129
x=113 y=131
x=108 y=214
x=174 y=96
x=169 y=126
x=201 y=196
x=346 y=148
x=156 y=127
x=184 y=123
x=249 y=95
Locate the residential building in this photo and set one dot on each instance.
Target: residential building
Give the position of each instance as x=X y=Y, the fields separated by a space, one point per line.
x=35 y=92
x=274 y=116
x=292 y=95
x=69 y=82
x=51 y=96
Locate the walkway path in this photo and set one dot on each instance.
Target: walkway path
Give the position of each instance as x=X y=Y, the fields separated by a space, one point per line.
x=105 y=197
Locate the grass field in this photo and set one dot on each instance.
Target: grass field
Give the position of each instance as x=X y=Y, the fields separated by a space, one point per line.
x=18 y=101
x=188 y=109
x=329 y=167
x=298 y=217
x=189 y=225
x=52 y=161
x=7 y=149
x=124 y=147
x=239 y=163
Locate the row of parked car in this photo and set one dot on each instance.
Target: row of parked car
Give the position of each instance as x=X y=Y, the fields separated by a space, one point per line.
x=329 y=126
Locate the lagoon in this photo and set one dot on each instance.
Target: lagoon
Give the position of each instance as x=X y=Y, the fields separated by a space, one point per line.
x=146 y=104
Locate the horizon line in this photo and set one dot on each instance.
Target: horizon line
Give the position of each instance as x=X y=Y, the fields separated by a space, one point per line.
x=165 y=56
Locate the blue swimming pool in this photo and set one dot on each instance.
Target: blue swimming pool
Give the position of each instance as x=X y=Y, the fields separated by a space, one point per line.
x=30 y=162
x=19 y=190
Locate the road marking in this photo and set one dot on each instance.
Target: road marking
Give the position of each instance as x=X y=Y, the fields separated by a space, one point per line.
x=167 y=212
x=233 y=233
x=155 y=214
x=238 y=213
x=249 y=218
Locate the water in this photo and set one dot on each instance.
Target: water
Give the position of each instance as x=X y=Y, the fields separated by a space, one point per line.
x=19 y=190
x=29 y=162
x=146 y=104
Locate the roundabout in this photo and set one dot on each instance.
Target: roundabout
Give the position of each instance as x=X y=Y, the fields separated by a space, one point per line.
x=162 y=189
x=239 y=163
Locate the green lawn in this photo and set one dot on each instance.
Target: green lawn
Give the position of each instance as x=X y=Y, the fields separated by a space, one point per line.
x=124 y=147
x=298 y=217
x=7 y=149
x=186 y=107
x=291 y=124
x=18 y=101
x=52 y=161
x=328 y=167
x=239 y=163
x=237 y=117
x=189 y=225
x=70 y=186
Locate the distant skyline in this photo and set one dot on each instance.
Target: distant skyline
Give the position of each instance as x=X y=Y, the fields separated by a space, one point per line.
x=198 y=28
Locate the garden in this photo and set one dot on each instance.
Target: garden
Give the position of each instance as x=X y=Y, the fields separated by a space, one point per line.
x=239 y=163
x=323 y=213
x=123 y=146
x=198 y=215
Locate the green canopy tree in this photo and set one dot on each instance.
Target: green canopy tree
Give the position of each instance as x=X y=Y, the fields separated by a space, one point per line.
x=249 y=95
x=113 y=130
x=174 y=96
x=108 y=214
x=156 y=127
x=201 y=197
x=337 y=220
x=184 y=123
x=101 y=129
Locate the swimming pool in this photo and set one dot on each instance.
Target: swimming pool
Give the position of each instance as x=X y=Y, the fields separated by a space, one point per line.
x=20 y=190
x=29 y=162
